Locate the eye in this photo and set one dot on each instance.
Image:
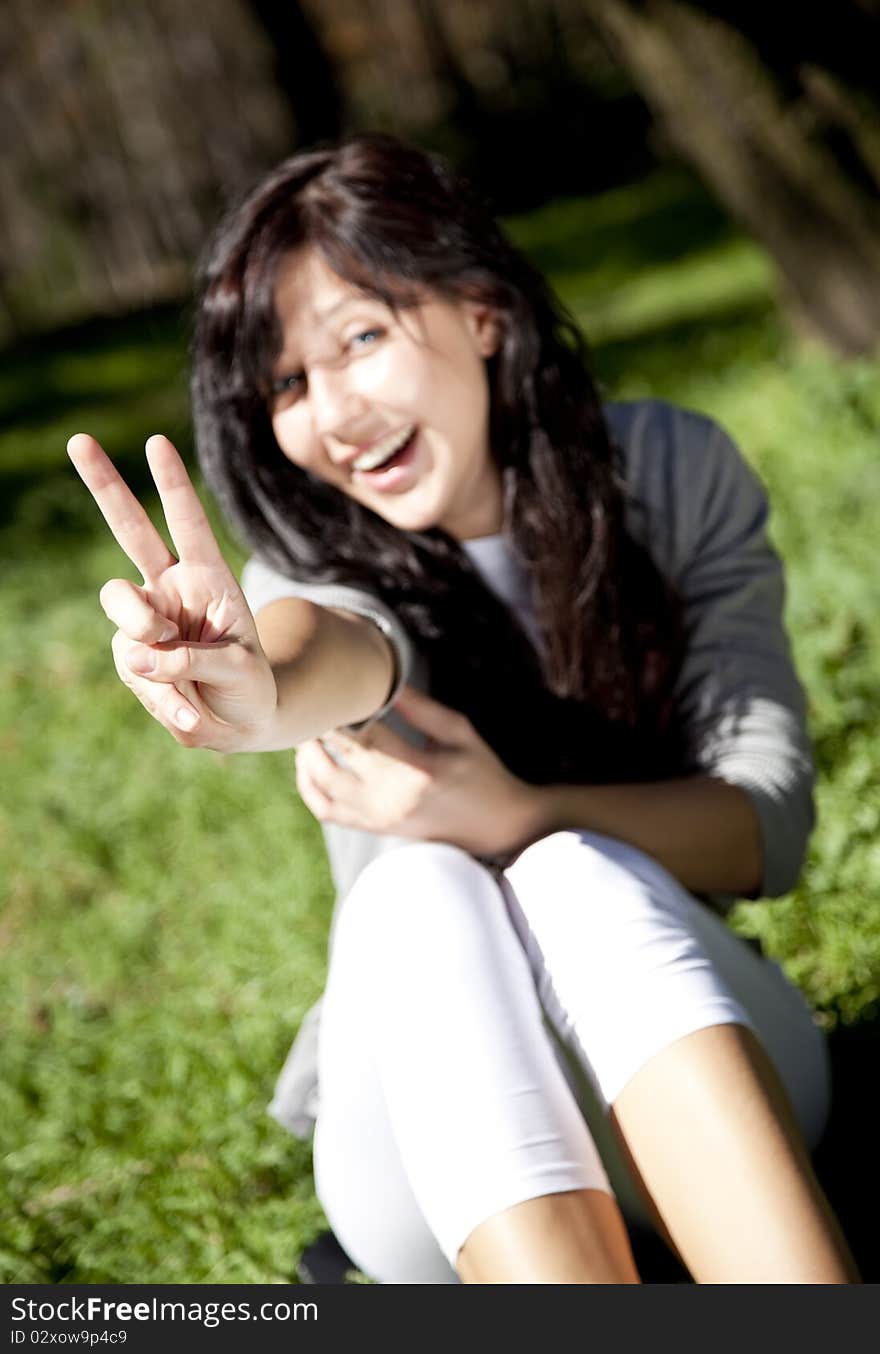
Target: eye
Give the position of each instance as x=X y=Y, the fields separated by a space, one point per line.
x=289 y=385
x=365 y=337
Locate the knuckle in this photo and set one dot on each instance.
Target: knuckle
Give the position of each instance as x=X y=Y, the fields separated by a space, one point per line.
x=122 y=606
x=237 y=656
x=314 y=801
x=188 y=738
x=175 y=663
x=304 y=755
x=105 y=596
x=150 y=628
x=119 y=647
x=119 y=599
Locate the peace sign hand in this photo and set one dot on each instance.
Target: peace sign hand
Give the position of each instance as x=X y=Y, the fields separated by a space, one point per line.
x=186 y=644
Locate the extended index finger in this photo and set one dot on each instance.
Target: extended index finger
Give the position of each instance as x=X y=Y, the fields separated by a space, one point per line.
x=122 y=512
x=187 y=521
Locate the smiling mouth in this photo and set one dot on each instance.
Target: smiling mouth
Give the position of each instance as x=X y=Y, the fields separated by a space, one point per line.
x=386 y=455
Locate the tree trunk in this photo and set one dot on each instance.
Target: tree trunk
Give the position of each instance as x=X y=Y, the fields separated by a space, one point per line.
x=723 y=112
x=304 y=71
x=124 y=130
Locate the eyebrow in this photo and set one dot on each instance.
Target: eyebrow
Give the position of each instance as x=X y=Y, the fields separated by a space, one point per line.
x=342 y=303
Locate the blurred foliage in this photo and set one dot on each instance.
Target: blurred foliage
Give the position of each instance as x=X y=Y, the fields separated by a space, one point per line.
x=166 y=911
x=127 y=128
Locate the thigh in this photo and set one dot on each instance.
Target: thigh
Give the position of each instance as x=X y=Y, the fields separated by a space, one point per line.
x=626 y=961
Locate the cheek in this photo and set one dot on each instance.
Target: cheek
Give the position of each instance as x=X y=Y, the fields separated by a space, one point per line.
x=449 y=394
x=292 y=435
x=466 y=402
x=392 y=376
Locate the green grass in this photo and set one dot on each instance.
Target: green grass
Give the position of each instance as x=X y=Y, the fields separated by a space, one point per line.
x=165 y=912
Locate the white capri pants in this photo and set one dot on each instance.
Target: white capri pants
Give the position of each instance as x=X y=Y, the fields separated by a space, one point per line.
x=475 y=1029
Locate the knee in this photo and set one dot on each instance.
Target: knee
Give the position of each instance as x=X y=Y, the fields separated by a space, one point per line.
x=405 y=877
x=593 y=850
x=548 y=852
x=420 y=897
x=570 y=857
x=602 y=885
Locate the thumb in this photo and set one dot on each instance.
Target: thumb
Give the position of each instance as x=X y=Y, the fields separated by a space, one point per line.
x=440 y=722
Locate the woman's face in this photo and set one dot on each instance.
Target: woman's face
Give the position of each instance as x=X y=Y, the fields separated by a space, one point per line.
x=356 y=385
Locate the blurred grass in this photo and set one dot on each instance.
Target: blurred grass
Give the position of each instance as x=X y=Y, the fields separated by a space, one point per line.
x=165 y=912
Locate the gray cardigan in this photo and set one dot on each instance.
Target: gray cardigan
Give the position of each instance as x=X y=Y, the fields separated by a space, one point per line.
x=701 y=512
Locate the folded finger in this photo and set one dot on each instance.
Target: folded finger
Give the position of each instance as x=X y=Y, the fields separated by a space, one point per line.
x=381 y=739
x=123 y=513
x=127 y=606
x=312 y=797
x=219 y=664
x=333 y=780
x=443 y=724
x=166 y=704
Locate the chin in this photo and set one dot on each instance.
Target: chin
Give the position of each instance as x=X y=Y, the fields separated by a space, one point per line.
x=408 y=520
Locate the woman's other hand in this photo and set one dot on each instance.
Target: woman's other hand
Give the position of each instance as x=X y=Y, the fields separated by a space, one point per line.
x=186 y=643
x=456 y=790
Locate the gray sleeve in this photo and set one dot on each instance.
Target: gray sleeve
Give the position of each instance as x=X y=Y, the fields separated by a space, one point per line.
x=742 y=706
x=262 y=585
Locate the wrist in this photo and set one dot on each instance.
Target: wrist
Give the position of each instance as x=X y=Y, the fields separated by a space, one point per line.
x=267 y=734
x=540 y=812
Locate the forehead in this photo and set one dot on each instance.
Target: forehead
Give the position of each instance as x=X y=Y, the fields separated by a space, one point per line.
x=309 y=295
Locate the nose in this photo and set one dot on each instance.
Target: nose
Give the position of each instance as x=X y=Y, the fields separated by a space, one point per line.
x=337 y=410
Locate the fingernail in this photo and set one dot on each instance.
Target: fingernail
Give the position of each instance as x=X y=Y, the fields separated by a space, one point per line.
x=141 y=660
x=170 y=632
x=186 y=719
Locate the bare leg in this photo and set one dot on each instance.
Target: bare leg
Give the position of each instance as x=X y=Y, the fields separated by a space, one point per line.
x=577 y=1236
x=711 y=1133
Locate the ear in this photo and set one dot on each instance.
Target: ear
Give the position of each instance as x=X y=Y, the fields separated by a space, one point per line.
x=483 y=322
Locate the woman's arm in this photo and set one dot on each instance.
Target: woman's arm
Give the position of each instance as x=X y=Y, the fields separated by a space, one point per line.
x=187 y=644
x=702 y=830
x=740 y=819
x=332 y=669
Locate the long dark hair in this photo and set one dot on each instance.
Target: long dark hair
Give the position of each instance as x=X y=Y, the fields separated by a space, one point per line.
x=595 y=705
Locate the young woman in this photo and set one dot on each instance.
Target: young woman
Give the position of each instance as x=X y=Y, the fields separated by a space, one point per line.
x=531 y=655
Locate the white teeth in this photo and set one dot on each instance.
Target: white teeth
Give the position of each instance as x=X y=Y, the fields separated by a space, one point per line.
x=383 y=450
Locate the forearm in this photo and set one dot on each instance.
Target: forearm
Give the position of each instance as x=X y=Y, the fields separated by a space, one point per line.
x=704 y=831
x=331 y=670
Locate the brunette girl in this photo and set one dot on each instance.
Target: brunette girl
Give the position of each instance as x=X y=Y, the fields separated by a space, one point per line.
x=530 y=652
